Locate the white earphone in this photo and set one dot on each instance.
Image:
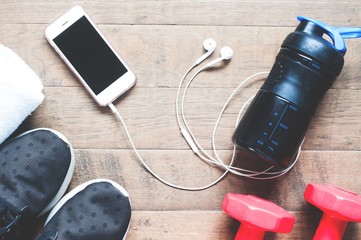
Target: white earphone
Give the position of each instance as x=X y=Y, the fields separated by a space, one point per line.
x=226 y=54
x=209 y=45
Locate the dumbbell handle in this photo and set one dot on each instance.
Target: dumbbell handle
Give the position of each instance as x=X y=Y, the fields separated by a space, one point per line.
x=330 y=228
x=246 y=232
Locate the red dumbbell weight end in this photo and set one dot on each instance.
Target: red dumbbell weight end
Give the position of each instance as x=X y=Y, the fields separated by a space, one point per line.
x=256 y=216
x=339 y=207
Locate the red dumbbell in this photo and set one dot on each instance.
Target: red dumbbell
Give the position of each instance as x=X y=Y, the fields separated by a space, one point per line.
x=256 y=216
x=339 y=207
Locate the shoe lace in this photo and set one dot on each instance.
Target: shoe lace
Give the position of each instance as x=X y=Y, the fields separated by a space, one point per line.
x=10 y=219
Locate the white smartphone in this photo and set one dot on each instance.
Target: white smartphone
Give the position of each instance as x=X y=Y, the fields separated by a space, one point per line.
x=78 y=41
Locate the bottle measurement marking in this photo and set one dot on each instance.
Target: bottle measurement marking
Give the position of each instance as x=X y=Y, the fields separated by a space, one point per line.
x=274 y=142
x=294 y=108
x=279 y=120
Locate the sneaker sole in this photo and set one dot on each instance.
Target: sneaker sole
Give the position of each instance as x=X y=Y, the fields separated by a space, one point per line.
x=81 y=187
x=68 y=175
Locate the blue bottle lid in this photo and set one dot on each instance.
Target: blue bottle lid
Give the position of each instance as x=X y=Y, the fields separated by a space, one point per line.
x=337 y=34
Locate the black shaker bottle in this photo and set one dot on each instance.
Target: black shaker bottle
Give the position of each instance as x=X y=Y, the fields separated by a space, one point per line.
x=306 y=66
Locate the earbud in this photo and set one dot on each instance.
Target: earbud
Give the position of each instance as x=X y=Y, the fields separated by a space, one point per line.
x=209 y=45
x=226 y=54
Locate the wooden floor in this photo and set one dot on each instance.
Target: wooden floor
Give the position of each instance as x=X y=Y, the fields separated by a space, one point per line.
x=160 y=40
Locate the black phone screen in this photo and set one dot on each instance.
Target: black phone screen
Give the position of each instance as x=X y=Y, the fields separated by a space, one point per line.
x=90 y=55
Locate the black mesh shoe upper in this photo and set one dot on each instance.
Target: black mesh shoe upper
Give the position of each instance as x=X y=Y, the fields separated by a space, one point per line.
x=100 y=211
x=33 y=168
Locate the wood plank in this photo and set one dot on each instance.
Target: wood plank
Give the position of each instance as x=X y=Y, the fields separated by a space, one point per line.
x=150 y=116
x=183 y=168
x=220 y=12
x=217 y=225
x=160 y=55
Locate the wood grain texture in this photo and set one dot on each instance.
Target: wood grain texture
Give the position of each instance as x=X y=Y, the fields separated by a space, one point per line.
x=159 y=40
x=187 y=12
x=215 y=225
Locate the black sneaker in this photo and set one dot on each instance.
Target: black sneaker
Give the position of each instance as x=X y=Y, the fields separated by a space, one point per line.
x=95 y=210
x=35 y=171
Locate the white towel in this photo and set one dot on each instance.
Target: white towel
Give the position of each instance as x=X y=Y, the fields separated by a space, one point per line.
x=20 y=91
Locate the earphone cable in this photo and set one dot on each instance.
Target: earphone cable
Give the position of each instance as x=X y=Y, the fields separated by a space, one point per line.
x=178 y=93
x=197 y=148
x=217 y=161
x=121 y=121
